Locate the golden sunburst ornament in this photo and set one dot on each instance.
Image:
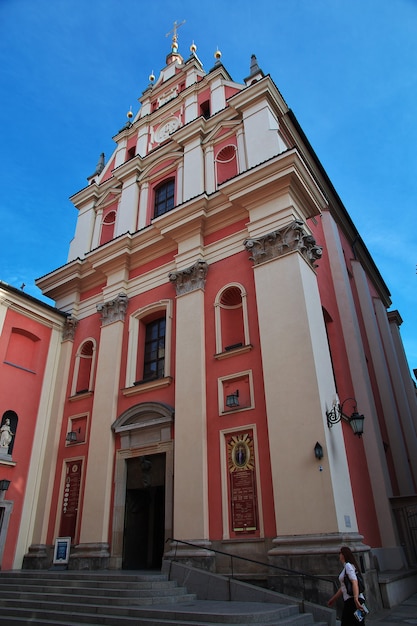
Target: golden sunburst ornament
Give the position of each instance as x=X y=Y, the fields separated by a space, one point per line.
x=240 y=452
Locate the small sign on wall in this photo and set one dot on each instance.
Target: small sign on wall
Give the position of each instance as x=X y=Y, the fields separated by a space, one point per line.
x=62 y=550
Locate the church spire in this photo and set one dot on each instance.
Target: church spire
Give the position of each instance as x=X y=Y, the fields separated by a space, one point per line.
x=255 y=71
x=99 y=168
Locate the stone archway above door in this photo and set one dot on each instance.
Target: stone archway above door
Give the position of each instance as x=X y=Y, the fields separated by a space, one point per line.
x=145 y=423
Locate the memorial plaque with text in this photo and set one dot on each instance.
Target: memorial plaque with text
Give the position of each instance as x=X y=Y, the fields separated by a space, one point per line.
x=241 y=464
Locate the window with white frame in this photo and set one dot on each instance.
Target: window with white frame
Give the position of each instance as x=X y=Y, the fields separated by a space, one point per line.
x=150 y=336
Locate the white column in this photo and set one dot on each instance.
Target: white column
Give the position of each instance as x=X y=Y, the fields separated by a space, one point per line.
x=94 y=533
x=83 y=240
x=299 y=388
x=395 y=321
x=372 y=441
x=241 y=151
x=127 y=212
x=190 y=471
x=217 y=96
x=383 y=381
x=209 y=165
x=191 y=108
x=193 y=169
x=179 y=184
x=401 y=379
x=143 y=205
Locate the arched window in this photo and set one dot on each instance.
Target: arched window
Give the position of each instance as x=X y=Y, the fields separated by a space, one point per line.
x=231 y=316
x=164 y=197
x=150 y=334
x=84 y=368
x=107 y=227
x=226 y=163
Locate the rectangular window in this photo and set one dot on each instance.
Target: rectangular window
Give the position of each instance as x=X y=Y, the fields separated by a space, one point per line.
x=154 y=354
x=164 y=198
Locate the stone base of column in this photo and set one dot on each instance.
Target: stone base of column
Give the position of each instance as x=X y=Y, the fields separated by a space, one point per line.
x=318 y=553
x=317 y=556
x=195 y=553
x=39 y=556
x=89 y=556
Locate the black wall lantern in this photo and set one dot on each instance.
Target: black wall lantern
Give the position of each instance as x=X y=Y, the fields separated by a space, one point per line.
x=318 y=451
x=232 y=400
x=4 y=484
x=355 y=419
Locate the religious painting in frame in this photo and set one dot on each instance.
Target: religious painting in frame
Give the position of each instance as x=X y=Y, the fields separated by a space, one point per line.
x=242 y=482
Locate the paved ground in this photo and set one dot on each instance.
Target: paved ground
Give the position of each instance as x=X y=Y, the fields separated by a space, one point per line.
x=405 y=614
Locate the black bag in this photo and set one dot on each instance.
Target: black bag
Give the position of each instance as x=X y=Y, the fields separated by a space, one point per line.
x=348 y=583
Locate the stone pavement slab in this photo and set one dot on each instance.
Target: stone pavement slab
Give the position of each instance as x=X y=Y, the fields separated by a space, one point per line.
x=404 y=614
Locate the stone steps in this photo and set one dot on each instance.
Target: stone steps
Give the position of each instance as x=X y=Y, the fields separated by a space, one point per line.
x=118 y=599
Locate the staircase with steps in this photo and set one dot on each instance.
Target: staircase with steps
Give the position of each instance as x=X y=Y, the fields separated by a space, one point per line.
x=73 y=598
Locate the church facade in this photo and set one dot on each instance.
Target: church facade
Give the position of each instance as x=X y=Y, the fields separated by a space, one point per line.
x=227 y=338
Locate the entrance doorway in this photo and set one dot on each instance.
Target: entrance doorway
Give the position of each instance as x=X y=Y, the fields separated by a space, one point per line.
x=144 y=521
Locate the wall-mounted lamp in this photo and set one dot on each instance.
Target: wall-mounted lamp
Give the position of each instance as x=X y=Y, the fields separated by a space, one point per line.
x=72 y=435
x=355 y=420
x=4 y=484
x=233 y=399
x=318 y=451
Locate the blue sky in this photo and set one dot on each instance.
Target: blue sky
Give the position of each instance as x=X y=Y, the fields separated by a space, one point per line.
x=71 y=69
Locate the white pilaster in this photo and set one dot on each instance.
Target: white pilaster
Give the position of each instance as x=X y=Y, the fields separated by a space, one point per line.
x=261 y=133
x=82 y=241
x=193 y=169
x=191 y=108
x=401 y=379
x=127 y=212
x=98 y=481
x=143 y=205
x=217 y=96
x=190 y=472
x=383 y=381
x=293 y=340
x=374 y=450
x=210 y=184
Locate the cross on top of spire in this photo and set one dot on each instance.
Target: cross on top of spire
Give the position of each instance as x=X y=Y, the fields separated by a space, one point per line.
x=174 y=46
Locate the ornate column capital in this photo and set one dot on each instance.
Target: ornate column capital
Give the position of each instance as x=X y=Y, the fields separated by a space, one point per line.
x=290 y=238
x=70 y=326
x=190 y=279
x=113 y=311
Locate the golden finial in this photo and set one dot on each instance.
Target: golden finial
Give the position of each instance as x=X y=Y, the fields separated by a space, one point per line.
x=193 y=48
x=129 y=114
x=218 y=55
x=152 y=76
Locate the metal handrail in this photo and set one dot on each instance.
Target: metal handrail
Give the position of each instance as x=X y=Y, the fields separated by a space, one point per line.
x=304 y=575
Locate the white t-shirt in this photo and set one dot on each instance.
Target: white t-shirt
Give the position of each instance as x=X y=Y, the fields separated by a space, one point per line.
x=348 y=570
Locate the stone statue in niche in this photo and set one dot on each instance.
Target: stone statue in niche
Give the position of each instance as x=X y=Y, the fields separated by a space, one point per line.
x=6 y=436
